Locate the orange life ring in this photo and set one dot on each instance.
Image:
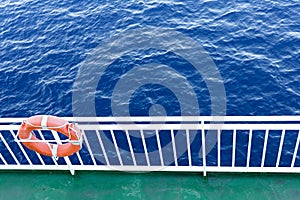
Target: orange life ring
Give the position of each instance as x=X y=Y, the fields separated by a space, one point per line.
x=52 y=123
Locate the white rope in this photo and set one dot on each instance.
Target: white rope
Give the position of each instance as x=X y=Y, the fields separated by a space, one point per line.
x=44 y=122
x=54 y=151
x=75 y=142
x=29 y=137
x=49 y=127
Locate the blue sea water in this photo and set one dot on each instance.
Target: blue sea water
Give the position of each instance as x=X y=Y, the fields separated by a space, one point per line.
x=255 y=46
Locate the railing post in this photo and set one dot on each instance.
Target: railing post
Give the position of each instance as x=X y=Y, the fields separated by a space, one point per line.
x=249 y=148
x=66 y=158
x=296 y=149
x=203 y=148
x=265 y=148
x=280 y=148
x=219 y=148
x=233 y=148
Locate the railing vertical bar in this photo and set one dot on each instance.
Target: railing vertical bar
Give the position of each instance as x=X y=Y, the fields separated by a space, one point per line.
x=174 y=147
x=249 y=148
x=84 y=138
x=37 y=154
x=265 y=148
x=40 y=158
x=296 y=149
x=79 y=158
x=233 y=148
x=9 y=149
x=188 y=147
x=159 y=148
x=77 y=153
x=3 y=160
x=203 y=148
x=130 y=147
x=280 y=147
x=145 y=147
x=43 y=138
x=219 y=147
x=102 y=147
x=66 y=158
x=21 y=147
x=116 y=146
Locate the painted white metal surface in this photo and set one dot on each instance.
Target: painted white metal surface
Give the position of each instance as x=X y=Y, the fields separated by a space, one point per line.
x=14 y=156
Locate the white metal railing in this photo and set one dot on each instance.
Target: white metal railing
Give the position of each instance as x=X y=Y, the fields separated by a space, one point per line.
x=198 y=144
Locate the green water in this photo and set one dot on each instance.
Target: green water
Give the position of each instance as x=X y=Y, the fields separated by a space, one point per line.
x=156 y=185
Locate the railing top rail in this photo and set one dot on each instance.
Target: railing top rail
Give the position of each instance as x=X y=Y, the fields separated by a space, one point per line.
x=193 y=126
x=171 y=119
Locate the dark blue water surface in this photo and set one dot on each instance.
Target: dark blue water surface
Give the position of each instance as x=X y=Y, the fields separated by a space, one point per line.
x=254 y=44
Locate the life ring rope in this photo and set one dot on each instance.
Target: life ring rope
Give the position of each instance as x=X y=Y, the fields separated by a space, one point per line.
x=75 y=142
x=54 y=151
x=44 y=127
